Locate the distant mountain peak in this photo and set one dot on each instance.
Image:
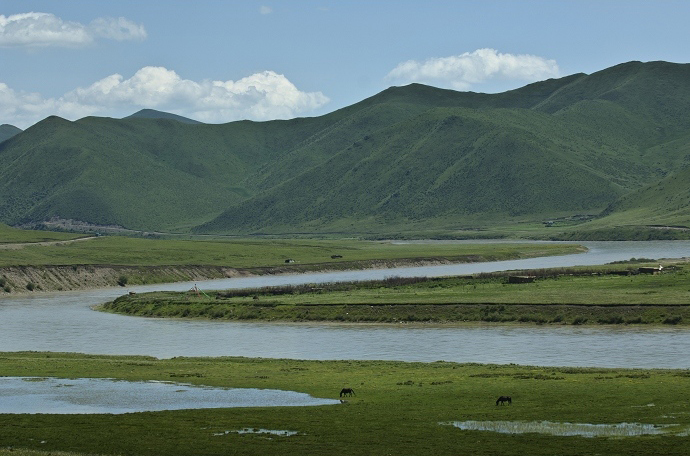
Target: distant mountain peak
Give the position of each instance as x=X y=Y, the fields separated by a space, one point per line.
x=7 y=131
x=153 y=114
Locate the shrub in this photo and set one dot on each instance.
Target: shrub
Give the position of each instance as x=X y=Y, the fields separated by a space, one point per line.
x=613 y=320
x=674 y=320
x=31 y=286
x=122 y=280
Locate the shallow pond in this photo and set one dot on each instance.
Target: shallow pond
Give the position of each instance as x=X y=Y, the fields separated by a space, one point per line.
x=97 y=395
x=278 y=432
x=570 y=429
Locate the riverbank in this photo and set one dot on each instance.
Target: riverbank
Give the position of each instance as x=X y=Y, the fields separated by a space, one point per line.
x=252 y=259
x=630 y=294
x=397 y=408
x=31 y=279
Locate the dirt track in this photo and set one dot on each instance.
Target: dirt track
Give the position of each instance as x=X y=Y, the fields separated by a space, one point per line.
x=21 y=245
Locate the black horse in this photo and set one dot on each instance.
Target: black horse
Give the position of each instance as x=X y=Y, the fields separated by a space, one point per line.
x=503 y=399
x=347 y=392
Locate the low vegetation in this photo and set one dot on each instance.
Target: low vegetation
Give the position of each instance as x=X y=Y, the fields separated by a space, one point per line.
x=255 y=254
x=9 y=236
x=122 y=261
x=398 y=408
x=610 y=294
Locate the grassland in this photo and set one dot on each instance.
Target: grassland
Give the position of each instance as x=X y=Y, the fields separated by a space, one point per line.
x=246 y=253
x=398 y=408
x=115 y=260
x=9 y=235
x=611 y=294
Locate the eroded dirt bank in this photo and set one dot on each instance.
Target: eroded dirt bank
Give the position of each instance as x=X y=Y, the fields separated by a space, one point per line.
x=32 y=279
x=28 y=279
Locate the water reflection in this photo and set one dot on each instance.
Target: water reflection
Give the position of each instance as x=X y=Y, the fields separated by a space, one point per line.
x=98 y=395
x=569 y=429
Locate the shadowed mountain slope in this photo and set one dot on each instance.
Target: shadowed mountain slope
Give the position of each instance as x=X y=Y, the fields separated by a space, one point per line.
x=7 y=131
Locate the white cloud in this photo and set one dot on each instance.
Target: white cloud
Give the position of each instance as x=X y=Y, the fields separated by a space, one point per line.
x=23 y=108
x=261 y=96
x=265 y=10
x=482 y=65
x=45 y=30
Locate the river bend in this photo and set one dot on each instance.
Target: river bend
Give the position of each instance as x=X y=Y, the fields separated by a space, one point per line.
x=64 y=322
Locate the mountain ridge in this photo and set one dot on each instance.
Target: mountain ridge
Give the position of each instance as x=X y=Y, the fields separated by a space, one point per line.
x=410 y=157
x=154 y=114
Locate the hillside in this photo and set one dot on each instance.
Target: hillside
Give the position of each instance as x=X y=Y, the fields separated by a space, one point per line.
x=153 y=114
x=664 y=203
x=151 y=174
x=7 y=131
x=408 y=158
x=560 y=147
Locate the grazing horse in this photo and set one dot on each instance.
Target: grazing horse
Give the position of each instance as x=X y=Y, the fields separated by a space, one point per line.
x=503 y=399
x=346 y=392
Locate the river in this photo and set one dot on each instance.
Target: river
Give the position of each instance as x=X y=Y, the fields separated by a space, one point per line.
x=64 y=322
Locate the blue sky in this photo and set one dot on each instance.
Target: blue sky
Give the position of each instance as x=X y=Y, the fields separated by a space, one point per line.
x=219 y=61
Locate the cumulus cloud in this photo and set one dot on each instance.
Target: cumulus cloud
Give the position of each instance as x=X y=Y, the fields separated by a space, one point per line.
x=464 y=70
x=265 y=10
x=23 y=108
x=33 y=30
x=261 y=96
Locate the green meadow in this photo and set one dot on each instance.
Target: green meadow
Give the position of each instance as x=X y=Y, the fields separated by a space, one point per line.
x=398 y=408
x=265 y=253
x=10 y=235
x=610 y=294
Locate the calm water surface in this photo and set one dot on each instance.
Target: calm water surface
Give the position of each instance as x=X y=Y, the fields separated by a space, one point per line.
x=571 y=429
x=103 y=395
x=64 y=322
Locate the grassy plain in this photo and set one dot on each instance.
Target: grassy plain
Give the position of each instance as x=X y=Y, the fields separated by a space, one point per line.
x=398 y=408
x=9 y=235
x=600 y=295
x=262 y=253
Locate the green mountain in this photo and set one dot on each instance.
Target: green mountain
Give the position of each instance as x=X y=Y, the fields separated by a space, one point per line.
x=7 y=131
x=664 y=203
x=408 y=158
x=554 y=148
x=153 y=114
x=152 y=174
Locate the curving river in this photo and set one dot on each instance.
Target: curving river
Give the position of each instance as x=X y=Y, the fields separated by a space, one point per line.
x=64 y=322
